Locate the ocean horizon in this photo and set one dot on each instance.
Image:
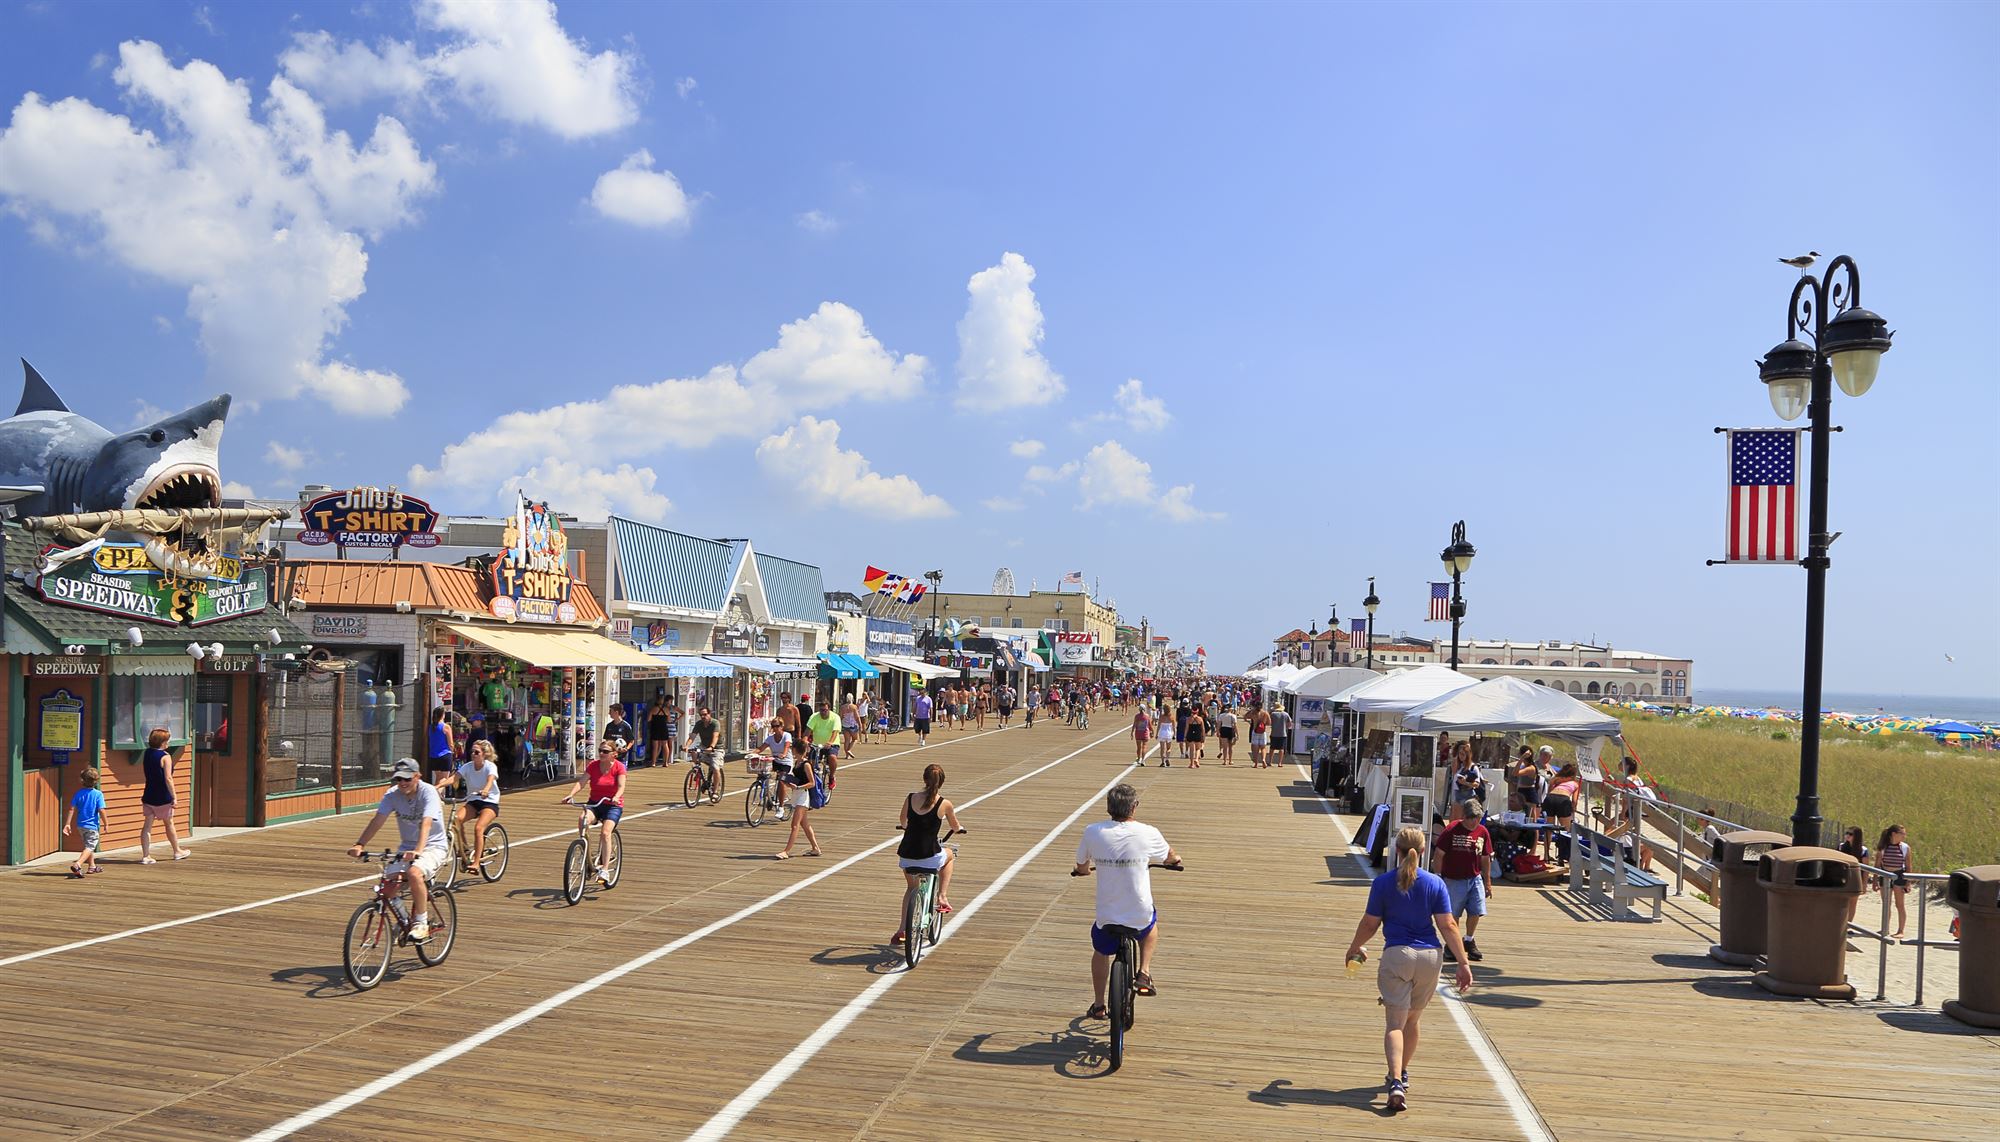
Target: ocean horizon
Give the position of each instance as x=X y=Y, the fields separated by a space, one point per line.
x=1934 y=706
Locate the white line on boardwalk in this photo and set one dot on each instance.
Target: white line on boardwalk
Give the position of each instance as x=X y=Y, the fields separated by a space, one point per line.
x=730 y=1116
x=478 y=1039
x=1525 y=1115
x=24 y=957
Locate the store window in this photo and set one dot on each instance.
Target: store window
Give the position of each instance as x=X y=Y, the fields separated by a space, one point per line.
x=211 y=714
x=141 y=704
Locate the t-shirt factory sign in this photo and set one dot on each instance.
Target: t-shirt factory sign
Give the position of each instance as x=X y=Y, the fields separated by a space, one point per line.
x=531 y=580
x=368 y=517
x=123 y=579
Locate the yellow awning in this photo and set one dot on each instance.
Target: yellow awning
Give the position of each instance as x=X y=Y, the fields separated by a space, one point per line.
x=552 y=648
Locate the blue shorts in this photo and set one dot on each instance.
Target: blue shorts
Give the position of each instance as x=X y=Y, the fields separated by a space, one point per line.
x=607 y=812
x=1468 y=896
x=1106 y=944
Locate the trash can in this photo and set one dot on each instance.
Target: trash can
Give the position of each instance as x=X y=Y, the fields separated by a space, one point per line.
x=1805 y=930
x=1741 y=943
x=1975 y=894
x=1323 y=774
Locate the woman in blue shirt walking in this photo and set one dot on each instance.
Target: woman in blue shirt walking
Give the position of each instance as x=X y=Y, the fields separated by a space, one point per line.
x=1412 y=908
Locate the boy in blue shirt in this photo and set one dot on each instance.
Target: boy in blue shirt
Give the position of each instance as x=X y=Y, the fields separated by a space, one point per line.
x=86 y=813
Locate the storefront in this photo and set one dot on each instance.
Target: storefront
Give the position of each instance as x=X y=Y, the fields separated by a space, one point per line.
x=885 y=640
x=101 y=648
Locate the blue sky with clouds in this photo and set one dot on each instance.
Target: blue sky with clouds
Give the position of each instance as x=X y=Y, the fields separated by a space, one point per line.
x=1229 y=306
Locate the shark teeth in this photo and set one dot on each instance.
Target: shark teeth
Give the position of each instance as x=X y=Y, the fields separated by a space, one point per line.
x=171 y=559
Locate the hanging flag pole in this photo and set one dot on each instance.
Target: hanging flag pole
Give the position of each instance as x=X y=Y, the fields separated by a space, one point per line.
x=1762 y=519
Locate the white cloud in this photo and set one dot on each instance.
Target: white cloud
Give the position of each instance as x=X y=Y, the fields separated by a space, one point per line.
x=593 y=493
x=511 y=60
x=1000 y=362
x=821 y=360
x=146 y=412
x=1002 y=504
x=205 y=16
x=1026 y=449
x=684 y=86
x=808 y=456
x=1143 y=413
x=237 y=490
x=350 y=73
x=286 y=458
x=1111 y=476
x=640 y=195
x=263 y=223
x=815 y=222
x=1044 y=474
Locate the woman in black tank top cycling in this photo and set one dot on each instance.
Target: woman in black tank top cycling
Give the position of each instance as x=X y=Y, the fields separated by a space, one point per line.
x=924 y=816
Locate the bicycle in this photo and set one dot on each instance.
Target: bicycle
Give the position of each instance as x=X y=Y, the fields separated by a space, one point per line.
x=1123 y=993
x=923 y=922
x=767 y=792
x=576 y=859
x=704 y=779
x=493 y=847
x=377 y=927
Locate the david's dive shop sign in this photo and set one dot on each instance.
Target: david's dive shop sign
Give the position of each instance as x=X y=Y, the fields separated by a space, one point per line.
x=120 y=579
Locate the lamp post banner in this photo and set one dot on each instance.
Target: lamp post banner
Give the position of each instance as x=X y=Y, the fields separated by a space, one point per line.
x=1763 y=515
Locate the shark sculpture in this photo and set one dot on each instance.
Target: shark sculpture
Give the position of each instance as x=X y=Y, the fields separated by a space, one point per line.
x=82 y=467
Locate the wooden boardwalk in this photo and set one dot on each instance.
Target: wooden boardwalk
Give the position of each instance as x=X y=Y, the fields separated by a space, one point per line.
x=228 y=1026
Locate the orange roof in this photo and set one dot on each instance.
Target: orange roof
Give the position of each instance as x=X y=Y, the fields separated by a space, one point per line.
x=381 y=584
x=1296 y=635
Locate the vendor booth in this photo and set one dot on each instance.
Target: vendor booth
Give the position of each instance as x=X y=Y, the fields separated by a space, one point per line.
x=1394 y=693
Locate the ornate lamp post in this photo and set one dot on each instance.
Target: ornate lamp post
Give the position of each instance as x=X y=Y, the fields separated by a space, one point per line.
x=1847 y=348
x=1369 y=604
x=1332 y=628
x=1457 y=557
x=936 y=578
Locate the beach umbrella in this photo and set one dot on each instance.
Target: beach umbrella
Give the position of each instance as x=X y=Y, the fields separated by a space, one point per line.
x=1955 y=728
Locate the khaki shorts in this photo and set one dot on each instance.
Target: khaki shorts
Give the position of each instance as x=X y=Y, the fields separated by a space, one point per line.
x=1408 y=977
x=429 y=860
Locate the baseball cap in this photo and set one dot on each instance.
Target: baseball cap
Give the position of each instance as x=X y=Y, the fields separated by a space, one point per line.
x=405 y=767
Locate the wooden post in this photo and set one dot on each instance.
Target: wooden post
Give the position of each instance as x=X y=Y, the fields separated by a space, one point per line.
x=339 y=738
x=260 y=752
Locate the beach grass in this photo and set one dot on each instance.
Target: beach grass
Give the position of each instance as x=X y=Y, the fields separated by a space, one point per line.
x=1948 y=799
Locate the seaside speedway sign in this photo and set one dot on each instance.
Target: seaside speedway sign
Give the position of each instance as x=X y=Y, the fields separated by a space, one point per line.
x=119 y=579
x=368 y=517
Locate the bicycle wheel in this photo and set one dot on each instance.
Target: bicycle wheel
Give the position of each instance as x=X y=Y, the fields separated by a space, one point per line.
x=1129 y=953
x=447 y=874
x=493 y=853
x=614 y=861
x=1119 y=996
x=691 y=788
x=576 y=866
x=755 y=804
x=365 y=954
x=916 y=912
x=444 y=929
x=936 y=926
x=715 y=787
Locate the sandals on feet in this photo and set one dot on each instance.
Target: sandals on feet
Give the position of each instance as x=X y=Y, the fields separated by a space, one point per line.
x=1097 y=1011
x=1143 y=984
x=782 y=856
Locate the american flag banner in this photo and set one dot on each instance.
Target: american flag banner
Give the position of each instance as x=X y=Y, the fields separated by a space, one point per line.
x=1359 y=640
x=1074 y=578
x=1440 y=603
x=1763 y=495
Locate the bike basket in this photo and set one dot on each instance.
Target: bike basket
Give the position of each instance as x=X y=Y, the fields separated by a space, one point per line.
x=758 y=764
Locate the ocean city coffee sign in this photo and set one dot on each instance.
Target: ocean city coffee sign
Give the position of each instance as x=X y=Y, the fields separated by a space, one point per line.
x=368 y=517
x=531 y=580
x=121 y=579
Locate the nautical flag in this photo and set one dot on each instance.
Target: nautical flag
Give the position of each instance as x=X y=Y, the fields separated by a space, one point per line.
x=1201 y=652
x=912 y=591
x=1360 y=633
x=1440 y=603
x=1075 y=577
x=873 y=578
x=1763 y=495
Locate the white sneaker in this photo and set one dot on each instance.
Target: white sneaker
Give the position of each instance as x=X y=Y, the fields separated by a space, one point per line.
x=420 y=931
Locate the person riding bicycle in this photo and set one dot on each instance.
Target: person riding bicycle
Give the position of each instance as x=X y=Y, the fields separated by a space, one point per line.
x=922 y=846
x=1120 y=849
x=824 y=729
x=605 y=780
x=419 y=814
x=478 y=779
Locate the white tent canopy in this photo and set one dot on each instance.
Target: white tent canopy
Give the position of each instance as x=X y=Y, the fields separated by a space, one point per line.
x=1279 y=675
x=1509 y=704
x=1291 y=685
x=1329 y=681
x=1398 y=692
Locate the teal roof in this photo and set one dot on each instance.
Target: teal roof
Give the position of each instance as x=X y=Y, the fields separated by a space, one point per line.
x=664 y=568
x=793 y=591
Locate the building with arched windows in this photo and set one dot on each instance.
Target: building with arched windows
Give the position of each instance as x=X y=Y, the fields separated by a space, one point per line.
x=1579 y=669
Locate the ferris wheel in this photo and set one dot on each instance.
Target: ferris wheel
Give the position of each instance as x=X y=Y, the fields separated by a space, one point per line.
x=1003 y=581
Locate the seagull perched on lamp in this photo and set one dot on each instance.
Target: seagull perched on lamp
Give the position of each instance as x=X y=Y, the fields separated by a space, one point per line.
x=1804 y=262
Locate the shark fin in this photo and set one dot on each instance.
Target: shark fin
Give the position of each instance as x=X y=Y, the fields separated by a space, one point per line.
x=36 y=395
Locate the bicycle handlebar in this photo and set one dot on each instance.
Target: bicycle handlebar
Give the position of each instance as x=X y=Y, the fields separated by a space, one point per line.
x=587 y=804
x=1175 y=867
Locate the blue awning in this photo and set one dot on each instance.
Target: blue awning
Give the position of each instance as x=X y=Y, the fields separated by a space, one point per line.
x=691 y=666
x=846 y=666
x=746 y=662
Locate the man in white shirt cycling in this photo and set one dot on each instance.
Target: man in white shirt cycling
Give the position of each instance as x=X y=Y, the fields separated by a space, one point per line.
x=1120 y=851
x=419 y=813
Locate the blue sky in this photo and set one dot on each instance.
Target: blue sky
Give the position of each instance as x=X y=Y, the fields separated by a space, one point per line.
x=1280 y=292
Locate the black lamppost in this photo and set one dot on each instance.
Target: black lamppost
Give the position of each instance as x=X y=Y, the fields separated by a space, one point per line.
x=1457 y=557
x=1847 y=348
x=1332 y=629
x=936 y=578
x=1369 y=604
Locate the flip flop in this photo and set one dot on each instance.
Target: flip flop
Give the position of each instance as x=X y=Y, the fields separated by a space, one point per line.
x=813 y=853
x=147 y=860
x=1143 y=984
x=183 y=854
x=782 y=856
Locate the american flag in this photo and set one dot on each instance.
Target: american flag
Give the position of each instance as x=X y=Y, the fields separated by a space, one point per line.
x=1360 y=639
x=1440 y=603
x=1075 y=577
x=1764 y=495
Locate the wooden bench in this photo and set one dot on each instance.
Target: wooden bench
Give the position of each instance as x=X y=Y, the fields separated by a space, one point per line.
x=1597 y=866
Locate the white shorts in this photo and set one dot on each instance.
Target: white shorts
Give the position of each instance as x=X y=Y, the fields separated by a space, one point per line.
x=801 y=798
x=930 y=862
x=429 y=860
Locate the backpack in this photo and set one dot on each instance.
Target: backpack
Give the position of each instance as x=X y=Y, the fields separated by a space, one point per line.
x=818 y=796
x=1527 y=864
